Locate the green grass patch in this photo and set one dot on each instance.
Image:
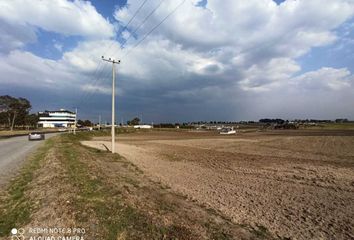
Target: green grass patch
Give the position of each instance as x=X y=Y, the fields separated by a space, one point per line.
x=333 y=126
x=115 y=217
x=15 y=206
x=261 y=232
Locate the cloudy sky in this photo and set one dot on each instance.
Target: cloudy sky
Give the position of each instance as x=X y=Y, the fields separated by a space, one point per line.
x=181 y=60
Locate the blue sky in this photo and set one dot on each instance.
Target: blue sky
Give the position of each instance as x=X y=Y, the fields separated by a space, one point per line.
x=240 y=60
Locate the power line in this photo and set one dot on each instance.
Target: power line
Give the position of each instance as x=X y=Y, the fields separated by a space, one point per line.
x=156 y=26
x=142 y=23
x=95 y=80
x=136 y=12
x=126 y=26
x=131 y=19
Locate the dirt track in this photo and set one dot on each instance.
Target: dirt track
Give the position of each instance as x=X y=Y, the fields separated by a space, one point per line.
x=296 y=184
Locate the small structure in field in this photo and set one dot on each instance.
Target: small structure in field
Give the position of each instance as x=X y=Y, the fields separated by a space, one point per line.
x=227 y=131
x=143 y=126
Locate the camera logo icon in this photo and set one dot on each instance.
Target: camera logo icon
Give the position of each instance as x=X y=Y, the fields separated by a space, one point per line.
x=17 y=234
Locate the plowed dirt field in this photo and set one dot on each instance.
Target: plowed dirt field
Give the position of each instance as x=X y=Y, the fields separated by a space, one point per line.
x=296 y=184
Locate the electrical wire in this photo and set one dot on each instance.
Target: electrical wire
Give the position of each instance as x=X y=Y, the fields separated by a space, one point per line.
x=155 y=27
x=96 y=80
x=142 y=23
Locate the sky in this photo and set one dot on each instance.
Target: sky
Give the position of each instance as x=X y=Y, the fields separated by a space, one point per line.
x=181 y=60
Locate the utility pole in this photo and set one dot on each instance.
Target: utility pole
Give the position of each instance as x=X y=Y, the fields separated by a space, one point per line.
x=99 y=122
x=75 y=121
x=113 y=98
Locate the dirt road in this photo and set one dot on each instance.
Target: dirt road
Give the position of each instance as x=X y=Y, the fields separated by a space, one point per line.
x=299 y=187
x=12 y=153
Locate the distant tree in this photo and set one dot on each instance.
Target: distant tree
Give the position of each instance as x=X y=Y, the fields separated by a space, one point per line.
x=80 y=122
x=267 y=120
x=87 y=123
x=166 y=125
x=3 y=118
x=15 y=109
x=341 y=120
x=134 y=121
x=31 y=120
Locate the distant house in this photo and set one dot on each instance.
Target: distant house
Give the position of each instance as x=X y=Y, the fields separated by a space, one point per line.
x=59 y=118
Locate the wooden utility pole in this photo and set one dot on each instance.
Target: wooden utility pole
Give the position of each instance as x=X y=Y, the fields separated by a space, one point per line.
x=113 y=98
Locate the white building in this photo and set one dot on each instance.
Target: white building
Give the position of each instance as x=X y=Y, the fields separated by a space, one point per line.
x=60 y=118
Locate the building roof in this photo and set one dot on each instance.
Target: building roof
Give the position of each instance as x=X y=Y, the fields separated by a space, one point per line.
x=61 y=111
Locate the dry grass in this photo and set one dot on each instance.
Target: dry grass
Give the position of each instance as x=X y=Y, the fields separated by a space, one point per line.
x=22 y=132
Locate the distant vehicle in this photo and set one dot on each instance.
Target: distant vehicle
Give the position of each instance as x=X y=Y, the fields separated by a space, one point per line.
x=143 y=126
x=85 y=129
x=227 y=131
x=36 y=136
x=62 y=129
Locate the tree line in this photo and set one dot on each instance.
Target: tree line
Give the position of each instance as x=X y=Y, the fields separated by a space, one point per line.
x=14 y=112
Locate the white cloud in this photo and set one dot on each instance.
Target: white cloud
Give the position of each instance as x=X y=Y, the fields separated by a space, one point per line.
x=258 y=40
x=125 y=35
x=14 y=36
x=325 y=78
x=76 y=17
x=58 y=46
x=326 y=93
x=87 y=55
x=93 y=88
x=262 y=77
x=240 y=54
x=243 y=24
x=28 y=70
x=107 y=90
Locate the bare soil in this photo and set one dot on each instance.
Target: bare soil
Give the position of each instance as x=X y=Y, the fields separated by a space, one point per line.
x=296 y=184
